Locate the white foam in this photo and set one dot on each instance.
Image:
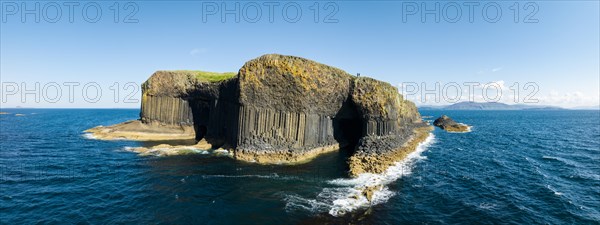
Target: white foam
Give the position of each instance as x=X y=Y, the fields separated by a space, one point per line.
x=355 y=199
x=347 y=195
x=273 y=176
x=554 y=190
x=295 y=201
x=469 y=129
x=222 y=152
x=202 y=152
x=177 y=150
x=486 y=206
x=89 y=136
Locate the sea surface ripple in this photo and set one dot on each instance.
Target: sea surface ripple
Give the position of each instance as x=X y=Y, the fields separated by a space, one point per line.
x=536 y=167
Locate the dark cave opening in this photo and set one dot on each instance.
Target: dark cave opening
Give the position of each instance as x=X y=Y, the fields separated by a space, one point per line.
x=350 y=131
x=200 y=115
x=200 y=131
x=348 y=126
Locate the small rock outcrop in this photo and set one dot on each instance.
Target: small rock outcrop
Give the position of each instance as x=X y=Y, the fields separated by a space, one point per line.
x=283 y=109
x=448 y=124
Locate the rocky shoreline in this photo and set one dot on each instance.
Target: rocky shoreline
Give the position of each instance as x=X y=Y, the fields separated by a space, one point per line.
x=287 y=157
x=276 y=110
x=378 y=159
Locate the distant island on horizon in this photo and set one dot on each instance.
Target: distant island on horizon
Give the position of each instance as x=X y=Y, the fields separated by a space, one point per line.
x=499 y=106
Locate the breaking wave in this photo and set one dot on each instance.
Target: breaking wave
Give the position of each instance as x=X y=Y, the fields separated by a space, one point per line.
x=89 y=136
x=167 y=150
x=348 y=194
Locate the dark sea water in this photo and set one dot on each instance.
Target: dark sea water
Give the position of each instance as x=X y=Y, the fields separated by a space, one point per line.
x=517 y=167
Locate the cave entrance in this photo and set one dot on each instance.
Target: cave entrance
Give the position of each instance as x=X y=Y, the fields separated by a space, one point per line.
x=348 y=126
x=200 y=131
x=200 y=114
x=350 y=130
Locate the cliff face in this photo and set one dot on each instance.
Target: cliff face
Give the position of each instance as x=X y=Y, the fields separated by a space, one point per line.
x=281 y=109
x=166 y=97
x=192 y=100
x=287 y=106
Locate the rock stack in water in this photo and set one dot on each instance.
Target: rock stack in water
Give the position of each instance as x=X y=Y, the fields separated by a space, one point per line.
x=448 y=124
x=286 y=109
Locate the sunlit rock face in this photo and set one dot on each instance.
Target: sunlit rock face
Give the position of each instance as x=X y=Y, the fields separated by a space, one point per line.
x=286 y=109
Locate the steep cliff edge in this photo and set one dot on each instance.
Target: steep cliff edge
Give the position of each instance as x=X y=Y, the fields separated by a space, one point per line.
x=286 y=109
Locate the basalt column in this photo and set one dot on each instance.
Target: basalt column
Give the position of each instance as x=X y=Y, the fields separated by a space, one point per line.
x=288 y=105
x=165 y=99
x=166 y=110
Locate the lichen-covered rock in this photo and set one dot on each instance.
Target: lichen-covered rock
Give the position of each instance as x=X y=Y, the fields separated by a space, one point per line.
x=286 y=109
x=170 y=83
x=184 y=84
x=376 y=99
x=384 y=110
x=293 y=84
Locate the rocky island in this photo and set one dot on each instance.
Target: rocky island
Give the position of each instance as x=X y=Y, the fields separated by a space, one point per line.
x=448 y=124
x=279 y=109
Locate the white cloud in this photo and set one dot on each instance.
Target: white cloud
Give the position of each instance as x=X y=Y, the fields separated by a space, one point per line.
x=569 y=99
x=511 y=93
x=496 y=69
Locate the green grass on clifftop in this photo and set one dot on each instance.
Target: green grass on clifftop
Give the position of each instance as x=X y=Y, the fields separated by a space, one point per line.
x=209 y=76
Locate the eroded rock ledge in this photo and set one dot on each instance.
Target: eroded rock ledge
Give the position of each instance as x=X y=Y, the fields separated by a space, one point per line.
x=285 y=109
x=139 y=131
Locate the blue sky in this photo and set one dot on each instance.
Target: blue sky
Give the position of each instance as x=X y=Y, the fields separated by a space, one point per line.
x=559 y=52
